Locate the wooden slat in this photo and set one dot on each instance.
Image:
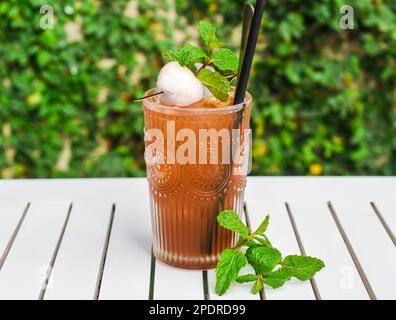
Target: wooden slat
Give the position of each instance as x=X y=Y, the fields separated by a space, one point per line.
x=80 y=252
x=127 y=270
x=26 y=265
x=290 y=188
x=325 y=188
x=112 y=190
x=177 y=284
x=340 y=278
x=372 y=245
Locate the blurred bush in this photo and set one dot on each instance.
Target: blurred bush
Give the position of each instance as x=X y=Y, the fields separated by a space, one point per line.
x=324 y=98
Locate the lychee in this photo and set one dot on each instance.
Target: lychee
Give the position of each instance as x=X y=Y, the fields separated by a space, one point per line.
x=179 y=85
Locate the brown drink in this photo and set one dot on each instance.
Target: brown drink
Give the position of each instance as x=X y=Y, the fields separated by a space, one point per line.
x=186 y=197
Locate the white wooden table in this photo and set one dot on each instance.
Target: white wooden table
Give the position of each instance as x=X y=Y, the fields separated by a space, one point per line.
x=91 y=239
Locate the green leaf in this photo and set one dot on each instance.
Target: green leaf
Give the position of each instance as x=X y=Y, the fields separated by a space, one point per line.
x=258 y=285
x=262 y=258
x=230 y=220
x=217 y=84
x=262 y=239
x=231 y=262
x=186 y=55
x=247 y=243
x=171 y=55
x=226 y=60
x=190 y=54
x=208 y=35
x=263 y=226
x=277 y=278
x=246 y=278
x=44 y=58
x=302 y=267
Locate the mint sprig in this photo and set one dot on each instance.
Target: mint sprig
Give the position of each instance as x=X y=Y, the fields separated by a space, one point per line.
x=270 y=269
x=223 y=61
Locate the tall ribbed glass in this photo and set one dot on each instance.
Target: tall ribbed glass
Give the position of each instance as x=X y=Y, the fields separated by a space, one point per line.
x=186 y=196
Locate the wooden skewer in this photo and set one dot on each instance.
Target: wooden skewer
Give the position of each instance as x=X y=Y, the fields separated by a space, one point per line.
x=149 y=96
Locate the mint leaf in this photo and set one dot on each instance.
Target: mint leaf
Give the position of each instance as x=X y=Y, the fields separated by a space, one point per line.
x=171 y=55
x=217 y=84
x=302 y=267
x=247 y=243
x=263 y=226
x=208 y=35
x=231 y=262
x=262 y=258
x=190 y=54
x=277 y=278
x=262 y=239
x=186 y=55
x=230 y=220
x=246 y=278
x=225 y=60
x=258 y=285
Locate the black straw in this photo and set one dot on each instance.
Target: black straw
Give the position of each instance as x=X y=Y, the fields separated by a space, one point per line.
x=249 y=55
x=248 y=12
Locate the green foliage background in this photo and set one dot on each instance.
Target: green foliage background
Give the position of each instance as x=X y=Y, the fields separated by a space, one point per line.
x=324 y=98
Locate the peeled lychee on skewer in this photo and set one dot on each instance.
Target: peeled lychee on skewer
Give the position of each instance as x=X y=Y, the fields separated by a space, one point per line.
x=179 y=85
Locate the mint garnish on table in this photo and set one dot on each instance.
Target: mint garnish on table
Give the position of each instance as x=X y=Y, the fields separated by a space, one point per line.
x=269 y=266
x=216 y=62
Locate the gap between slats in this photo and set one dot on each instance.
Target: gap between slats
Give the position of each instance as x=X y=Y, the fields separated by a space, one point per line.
x=13 y=236
x=302 y=249
x=55 y=254
x=379 y=215
x=104 y=254
x=352 y=253
x=152 y=276
x=248 y=224
x=205 y=285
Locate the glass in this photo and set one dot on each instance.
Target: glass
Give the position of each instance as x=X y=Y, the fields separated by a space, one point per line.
x=185 y=197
